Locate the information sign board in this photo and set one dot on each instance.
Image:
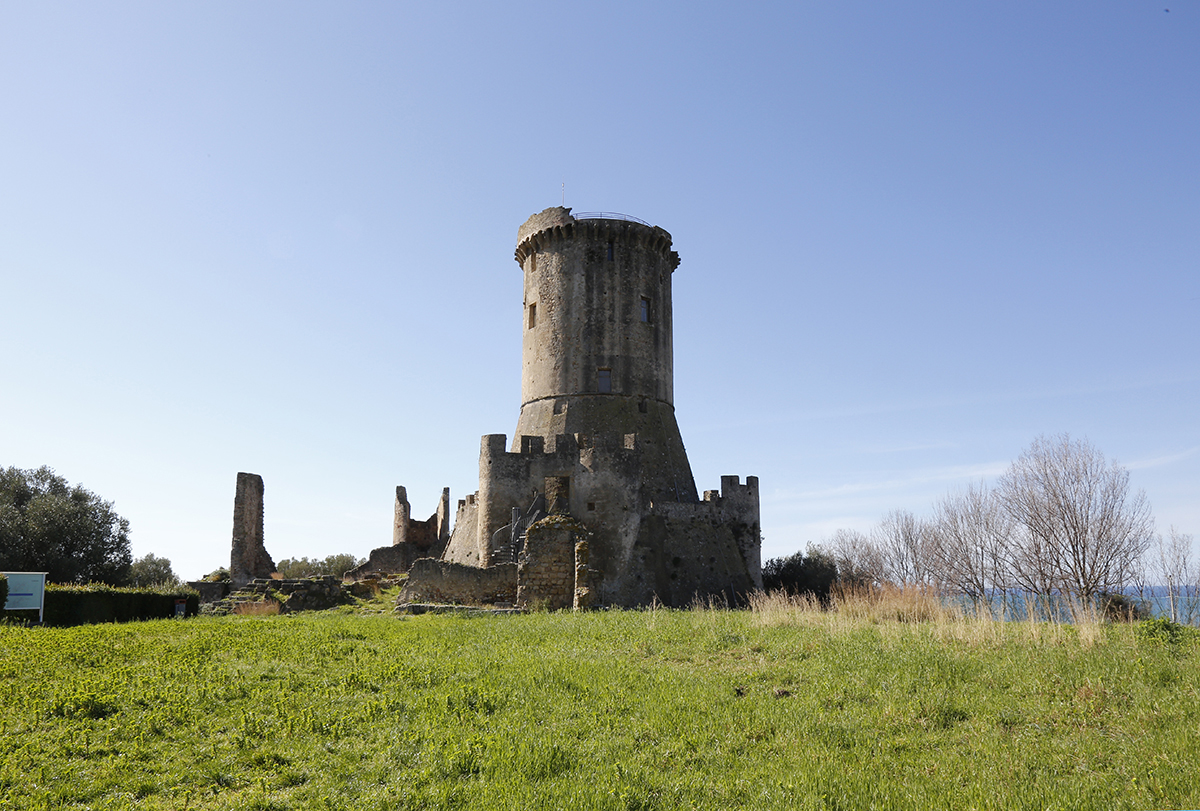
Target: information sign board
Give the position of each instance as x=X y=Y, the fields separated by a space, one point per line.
x=26 y=590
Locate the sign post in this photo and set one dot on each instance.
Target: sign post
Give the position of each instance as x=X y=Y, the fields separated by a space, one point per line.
x=26 y=591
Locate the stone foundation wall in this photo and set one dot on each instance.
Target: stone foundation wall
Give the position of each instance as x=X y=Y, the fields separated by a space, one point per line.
x=436 y=581
x=387 y=560
x=296 y=594
x=210 y=590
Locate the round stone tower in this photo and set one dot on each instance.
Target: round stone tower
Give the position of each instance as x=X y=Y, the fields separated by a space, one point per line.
x=596 y=352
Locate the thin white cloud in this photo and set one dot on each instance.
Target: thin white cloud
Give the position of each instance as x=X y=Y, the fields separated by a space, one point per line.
x=909 y=479
x=1159 y=461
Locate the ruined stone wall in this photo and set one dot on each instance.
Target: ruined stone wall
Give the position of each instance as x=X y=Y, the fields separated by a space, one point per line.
x=463 y=546
x=386 y=560
x=436 y=581
x=298 y=594
x=546 y=567
x=428 y=536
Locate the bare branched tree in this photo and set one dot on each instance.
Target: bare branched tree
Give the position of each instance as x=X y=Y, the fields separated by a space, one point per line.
x=1079 y=530
x=1173 y=566
x=904 y=541
x=970 y=535
x=858 y=559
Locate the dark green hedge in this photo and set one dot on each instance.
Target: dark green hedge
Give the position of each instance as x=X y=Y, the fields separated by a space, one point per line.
x=95 y=602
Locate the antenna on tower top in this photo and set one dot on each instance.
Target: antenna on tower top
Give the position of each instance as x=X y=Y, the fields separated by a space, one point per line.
x=564 y=190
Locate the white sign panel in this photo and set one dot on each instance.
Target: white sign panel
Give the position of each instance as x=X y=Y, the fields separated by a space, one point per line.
x=25 y=590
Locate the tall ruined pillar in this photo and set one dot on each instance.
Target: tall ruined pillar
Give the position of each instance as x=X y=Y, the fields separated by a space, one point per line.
x=249 y=558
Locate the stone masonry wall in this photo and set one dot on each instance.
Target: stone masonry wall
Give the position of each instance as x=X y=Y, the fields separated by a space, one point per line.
x=436 y=581
x=546 y=569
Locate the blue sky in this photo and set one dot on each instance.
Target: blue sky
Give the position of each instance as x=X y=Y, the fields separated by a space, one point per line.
x=278 y=238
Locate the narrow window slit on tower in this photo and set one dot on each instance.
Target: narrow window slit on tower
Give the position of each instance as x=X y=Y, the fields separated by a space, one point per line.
x=605 y=381
x=645 y=310
x=610 y=250
x=532 y=315
x=642 y=406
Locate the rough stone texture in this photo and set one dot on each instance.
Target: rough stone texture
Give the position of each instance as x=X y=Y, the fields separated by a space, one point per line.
x=464 y=541
x=385 y=560
x=248 y=558
x=546 y=567
x=411 y=540
x=429 y=537
x=435 y=581
x=597 y=439
x=210 y=590
x=293 y=594
x=583 y=589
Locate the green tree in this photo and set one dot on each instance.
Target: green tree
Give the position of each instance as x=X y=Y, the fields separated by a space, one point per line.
x=151 y=571
x=48 y=525
x=335 y=565
x=814 y=573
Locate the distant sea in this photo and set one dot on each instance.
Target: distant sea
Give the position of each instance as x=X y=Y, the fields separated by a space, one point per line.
x=1015 y=604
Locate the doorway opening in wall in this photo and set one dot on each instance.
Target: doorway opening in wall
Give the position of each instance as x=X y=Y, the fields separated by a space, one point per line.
x=605 y=381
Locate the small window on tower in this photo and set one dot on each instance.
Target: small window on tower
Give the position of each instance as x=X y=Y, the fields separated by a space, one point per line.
x=605 y=381
x=610 y=250
x=645 y=310
x=532 y=315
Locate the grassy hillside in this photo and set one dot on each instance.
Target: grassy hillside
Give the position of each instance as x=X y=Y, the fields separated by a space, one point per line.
x=615 y=710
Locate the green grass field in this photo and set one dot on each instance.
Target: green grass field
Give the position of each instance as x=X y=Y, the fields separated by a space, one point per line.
x=613 y=710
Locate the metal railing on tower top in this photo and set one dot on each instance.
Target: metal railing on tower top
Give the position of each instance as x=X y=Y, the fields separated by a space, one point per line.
x=608 y=215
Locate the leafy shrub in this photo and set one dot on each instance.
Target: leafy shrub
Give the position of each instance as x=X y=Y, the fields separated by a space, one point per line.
x=152 y=570
x=336 y=565
x=813 y=573
x=1163 y=630
x=97 y=602
x=1122 y=608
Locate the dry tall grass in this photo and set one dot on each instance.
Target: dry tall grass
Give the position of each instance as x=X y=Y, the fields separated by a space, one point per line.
x=258 y=608
x=896 y=611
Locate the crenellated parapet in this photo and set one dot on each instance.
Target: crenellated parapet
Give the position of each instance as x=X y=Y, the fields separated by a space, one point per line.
x=545 y=231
